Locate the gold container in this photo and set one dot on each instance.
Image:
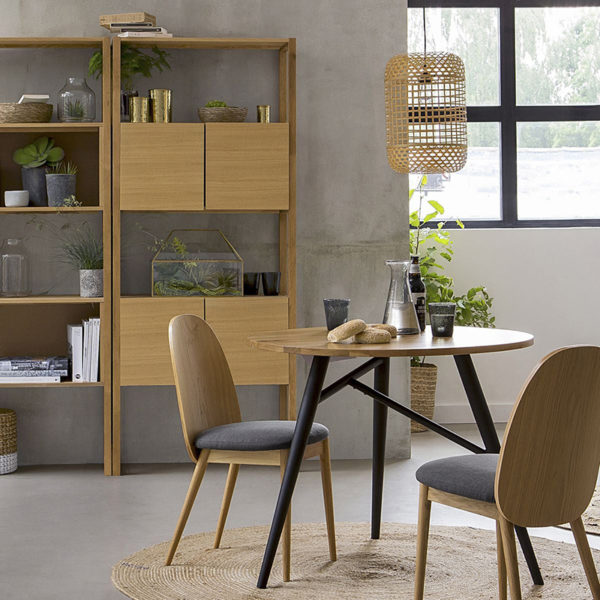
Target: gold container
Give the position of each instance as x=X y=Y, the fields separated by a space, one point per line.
x=139 y=109
x=263 y=113
x=160 y=105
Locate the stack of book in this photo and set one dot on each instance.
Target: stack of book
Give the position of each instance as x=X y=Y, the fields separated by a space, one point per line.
x=84 y=349
x=132 y=25
x=27 y=369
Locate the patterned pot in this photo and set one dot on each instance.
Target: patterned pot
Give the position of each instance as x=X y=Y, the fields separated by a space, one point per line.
x=91 y=283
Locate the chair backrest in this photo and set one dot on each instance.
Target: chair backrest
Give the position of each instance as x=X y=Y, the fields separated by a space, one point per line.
x=205 y=391
x=551 y=452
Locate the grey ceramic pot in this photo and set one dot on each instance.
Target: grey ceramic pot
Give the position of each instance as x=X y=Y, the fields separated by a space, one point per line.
x=60 y=188
x=34 y=181
x=91 y=283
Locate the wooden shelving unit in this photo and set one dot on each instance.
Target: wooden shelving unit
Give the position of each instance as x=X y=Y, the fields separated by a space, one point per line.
x=205 y=168
x=48 y=316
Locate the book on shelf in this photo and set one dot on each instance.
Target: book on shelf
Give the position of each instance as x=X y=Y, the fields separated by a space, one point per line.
x=35 y=373
x=37 y=379
x=143 y=34
x=138 y=29
x=127 y=18
x=75 y=351
x=27 y=98
x=29 y=363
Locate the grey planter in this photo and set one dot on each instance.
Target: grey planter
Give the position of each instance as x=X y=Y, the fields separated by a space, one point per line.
x=34 y=181
x=91 y=283
x=60 y=188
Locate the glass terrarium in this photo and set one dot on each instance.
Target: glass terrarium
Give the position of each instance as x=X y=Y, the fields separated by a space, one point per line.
x=197 y=262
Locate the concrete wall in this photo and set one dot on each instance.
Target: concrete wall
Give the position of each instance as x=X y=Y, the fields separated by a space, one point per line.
x=352 y=212
x=543 y=281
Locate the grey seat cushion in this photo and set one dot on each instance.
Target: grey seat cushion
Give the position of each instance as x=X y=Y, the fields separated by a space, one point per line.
x=256 y=435
x=471 y=476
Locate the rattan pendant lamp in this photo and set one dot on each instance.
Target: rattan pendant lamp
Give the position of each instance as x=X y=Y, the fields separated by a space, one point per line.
x=426 y=112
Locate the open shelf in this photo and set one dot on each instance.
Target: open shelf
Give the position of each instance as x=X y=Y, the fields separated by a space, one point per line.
x=49 y=209
x=50 y=300
x=53 y=42
x=43 y=127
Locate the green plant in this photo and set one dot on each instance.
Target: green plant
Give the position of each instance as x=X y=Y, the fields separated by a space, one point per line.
x=42 y=151
x=133 y=62
x=71 y=201
x=62 y=168
x=74 y=109
x=215 y=104
x=433 y=244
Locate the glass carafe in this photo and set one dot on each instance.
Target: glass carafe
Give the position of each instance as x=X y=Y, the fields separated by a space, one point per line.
x=399 y=309
x=76 y=101
x=14 y=269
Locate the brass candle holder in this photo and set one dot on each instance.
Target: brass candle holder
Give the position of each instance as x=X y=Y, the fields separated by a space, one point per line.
x=139 y=109
x=160 y=105
x=263 y=113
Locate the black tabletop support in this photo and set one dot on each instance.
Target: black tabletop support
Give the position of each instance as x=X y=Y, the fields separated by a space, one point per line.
x=380 y=414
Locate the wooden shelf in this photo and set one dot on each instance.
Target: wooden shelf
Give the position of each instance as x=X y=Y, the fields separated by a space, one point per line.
x=50 y=300
x=50 y=209
x=209 y=43
x=53 y=385
x=42 y=127
x=183 y=298
x=55 y=42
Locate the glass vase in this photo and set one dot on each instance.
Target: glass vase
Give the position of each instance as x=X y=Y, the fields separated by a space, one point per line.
x=14 y=269
x=399 y=308
x=76 y=101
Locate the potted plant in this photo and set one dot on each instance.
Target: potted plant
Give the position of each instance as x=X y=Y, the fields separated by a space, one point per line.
x=133 y=62
x=83 y=250
x=61 y=180
x=33 y=159
x=433 y=244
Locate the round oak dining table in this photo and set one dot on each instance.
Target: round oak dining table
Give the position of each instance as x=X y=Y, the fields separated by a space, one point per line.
x=313 y=342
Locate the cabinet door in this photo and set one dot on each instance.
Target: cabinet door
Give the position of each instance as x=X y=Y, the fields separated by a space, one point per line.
x=162 y=166
x=247 y=166
x=233 y=320
x=145 y=356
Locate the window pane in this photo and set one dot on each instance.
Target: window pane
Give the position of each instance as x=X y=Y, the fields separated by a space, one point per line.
x=558 y=55
x=557 y=166
x=472 y=34
x=474 y=192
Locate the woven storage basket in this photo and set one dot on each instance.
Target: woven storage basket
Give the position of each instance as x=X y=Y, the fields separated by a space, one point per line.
x=422 y=393
x=223 y=114
x=8 y=441
x=30 y=112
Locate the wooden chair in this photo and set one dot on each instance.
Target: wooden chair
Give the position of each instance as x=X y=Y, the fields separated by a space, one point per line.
x=214 y=433
x=545 y=474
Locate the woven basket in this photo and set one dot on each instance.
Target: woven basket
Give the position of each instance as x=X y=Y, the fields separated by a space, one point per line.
x=223 y=114
x=8 y=441
x=422 y=393
x=30 y=112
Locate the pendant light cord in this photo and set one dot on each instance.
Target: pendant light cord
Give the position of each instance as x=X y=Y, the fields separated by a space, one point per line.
x=424 y=35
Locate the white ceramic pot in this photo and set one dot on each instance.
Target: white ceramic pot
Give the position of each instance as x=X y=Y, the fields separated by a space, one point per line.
x=16 y=198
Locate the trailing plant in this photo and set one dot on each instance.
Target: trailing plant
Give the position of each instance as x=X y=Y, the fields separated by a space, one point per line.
x=133 y=62
x=215 y=104
x=39 y=153
x=63 y=168
x=432 y=242
x=71 y=201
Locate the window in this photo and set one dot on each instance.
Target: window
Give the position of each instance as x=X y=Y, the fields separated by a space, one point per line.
x=533 y=96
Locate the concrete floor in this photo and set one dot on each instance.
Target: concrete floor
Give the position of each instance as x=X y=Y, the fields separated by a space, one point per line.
x=62 y=528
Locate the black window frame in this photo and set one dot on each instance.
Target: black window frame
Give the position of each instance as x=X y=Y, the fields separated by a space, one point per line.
x=508 y=113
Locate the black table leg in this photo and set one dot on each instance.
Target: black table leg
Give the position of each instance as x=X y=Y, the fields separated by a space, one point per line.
x=306 y=416
x=485 y=424
x=380 y=413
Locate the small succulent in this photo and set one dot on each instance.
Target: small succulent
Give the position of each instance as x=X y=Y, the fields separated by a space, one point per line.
x=215 y=104
x=42 y=151
x=71 y=201
x=62 y=168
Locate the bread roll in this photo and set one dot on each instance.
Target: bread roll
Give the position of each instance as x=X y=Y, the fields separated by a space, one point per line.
x=346 y=330
x=389 y=328
x=372 y=335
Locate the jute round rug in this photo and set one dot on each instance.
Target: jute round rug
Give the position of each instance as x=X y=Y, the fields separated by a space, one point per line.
x=591 y=516
x=461 y=565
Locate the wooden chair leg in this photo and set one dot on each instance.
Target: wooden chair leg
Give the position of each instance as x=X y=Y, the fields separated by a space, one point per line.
x=502 y=591
x=227 y=494
x=287 y=528
x=328 y=496
x=510 y=556
x=586 y=557
x=189 y=502
x=422 y=541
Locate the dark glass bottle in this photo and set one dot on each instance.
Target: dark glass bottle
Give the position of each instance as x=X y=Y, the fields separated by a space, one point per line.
x=417 y=290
